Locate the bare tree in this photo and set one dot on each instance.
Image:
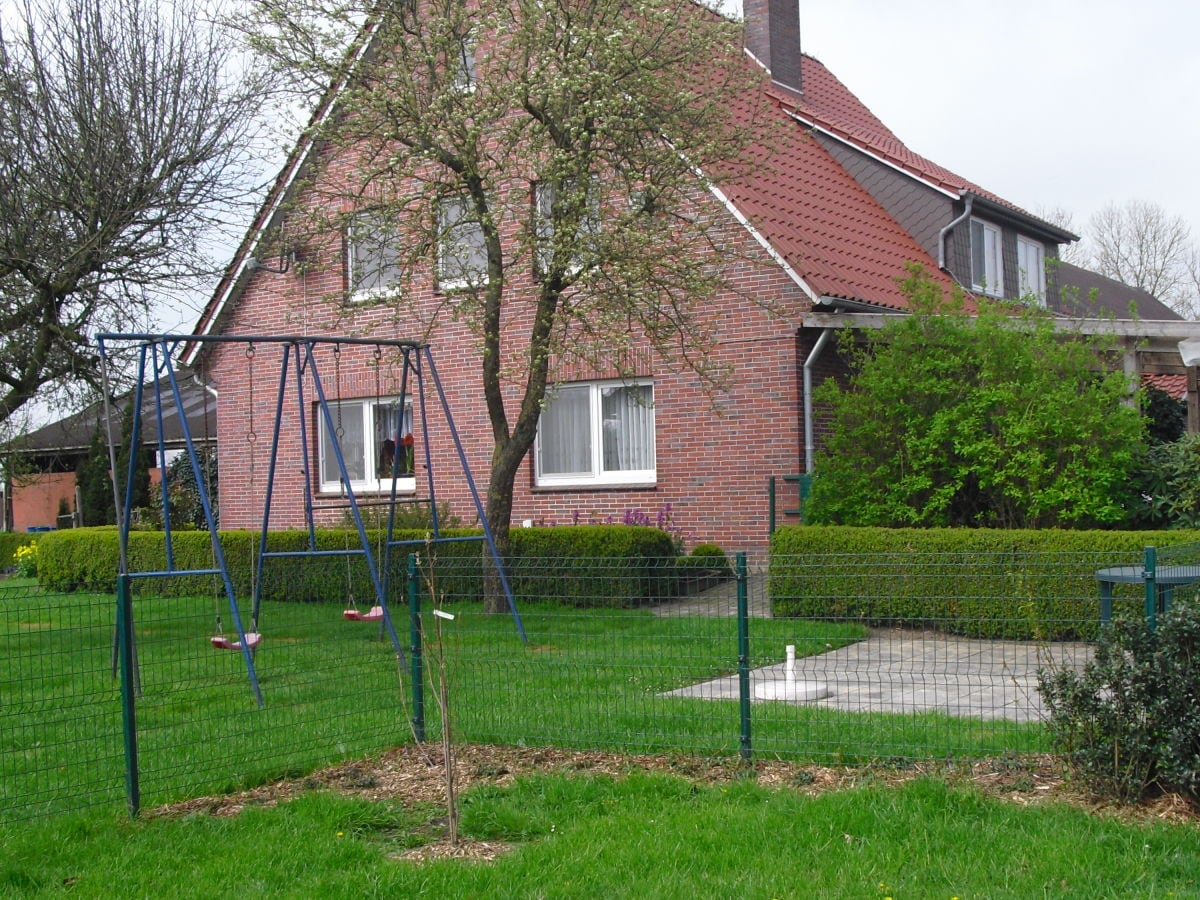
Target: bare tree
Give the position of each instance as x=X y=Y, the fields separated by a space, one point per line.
x=126 y=133
x=493 y=140
x=1144 y=246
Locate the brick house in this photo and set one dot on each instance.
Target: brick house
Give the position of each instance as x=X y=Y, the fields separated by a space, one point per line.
x=832 y=212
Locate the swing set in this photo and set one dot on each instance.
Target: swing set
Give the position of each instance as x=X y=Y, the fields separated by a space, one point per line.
x=299 y=364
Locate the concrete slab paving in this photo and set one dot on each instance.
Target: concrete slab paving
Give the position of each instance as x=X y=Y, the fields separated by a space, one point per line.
x=898 y=671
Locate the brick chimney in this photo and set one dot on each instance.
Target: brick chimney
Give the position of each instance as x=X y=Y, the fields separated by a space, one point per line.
x=772 y=33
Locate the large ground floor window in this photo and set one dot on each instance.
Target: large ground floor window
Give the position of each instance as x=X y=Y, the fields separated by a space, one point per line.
x=376 y=439
x=597 y=433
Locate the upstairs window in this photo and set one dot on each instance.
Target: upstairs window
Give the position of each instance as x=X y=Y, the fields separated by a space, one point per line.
x=462 y=253
x=987 y=260
x=550 y=211
x=597 y=433
x=372 y=256
x=375 y=436
x=463 y=65
x=1031 y=269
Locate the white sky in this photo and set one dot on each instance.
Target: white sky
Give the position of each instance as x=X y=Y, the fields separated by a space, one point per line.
x=1047 y=103
x=1070 y=104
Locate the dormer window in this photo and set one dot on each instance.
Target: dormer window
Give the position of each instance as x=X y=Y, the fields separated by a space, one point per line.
x=987 y=260
x=1031 y=269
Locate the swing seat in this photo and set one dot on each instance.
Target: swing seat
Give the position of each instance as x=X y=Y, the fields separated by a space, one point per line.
x=374 y=614
x=223 y=643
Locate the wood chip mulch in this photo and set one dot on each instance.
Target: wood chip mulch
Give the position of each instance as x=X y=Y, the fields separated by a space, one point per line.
x=415 y=775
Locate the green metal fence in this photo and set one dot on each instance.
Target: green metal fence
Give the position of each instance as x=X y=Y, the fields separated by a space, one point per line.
x=891 y=656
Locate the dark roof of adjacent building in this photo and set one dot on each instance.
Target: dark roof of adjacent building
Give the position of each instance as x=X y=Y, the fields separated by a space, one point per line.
x=1086 y=293
x=72 y=436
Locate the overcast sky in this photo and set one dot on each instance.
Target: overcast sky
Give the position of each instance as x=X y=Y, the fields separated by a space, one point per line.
x=1049 y=103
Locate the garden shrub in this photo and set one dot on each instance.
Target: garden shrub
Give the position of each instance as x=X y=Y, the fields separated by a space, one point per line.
x=1129 y=722
x=985 y=583
x=606 y=565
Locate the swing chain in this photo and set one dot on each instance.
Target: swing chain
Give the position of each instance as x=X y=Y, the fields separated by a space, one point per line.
x=337 y=374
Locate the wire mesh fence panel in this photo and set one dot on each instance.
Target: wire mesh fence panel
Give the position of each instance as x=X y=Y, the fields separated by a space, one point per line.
x=947 y=657
x=331 y=688
x=60 y=725
x=602 y=658
x=839 y=657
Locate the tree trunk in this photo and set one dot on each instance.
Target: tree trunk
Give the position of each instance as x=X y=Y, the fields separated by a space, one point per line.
x=498 y=510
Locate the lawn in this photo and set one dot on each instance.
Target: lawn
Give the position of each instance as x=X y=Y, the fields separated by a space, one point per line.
x=635 y=834
x=333 y=690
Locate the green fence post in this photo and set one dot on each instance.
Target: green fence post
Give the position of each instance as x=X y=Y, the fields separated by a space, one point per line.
x=133 y=791
x=417 y=662
x=743 y=620
x=1151 y=563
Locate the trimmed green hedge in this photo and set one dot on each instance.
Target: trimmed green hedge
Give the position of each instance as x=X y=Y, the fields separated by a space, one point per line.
x=600 y=565
x=1019 y=585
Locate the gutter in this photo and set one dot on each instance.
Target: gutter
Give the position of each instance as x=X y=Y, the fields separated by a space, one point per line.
x=809 y=442
x=970 y=200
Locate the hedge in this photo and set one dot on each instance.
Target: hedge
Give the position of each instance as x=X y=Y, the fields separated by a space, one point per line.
x=600 y=565
x=988 y=583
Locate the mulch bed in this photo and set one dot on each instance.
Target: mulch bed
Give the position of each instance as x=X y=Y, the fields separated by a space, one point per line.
x=415 y=774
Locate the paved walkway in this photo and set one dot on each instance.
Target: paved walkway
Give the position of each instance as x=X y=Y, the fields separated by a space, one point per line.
x=908 y=672
x=893 y=670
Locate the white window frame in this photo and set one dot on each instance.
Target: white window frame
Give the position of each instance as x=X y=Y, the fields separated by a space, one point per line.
x=987 y=244
x=384 y=258
x=597 y=475
x=456 y=222
x=360 y=414
x=1031 y=269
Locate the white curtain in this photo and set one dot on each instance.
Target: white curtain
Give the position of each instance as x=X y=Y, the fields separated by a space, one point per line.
x=628 y=417
x=565 y=433
x=353 y=442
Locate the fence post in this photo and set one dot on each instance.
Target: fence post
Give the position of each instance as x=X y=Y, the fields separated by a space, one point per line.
x=133 y=791
x=770 y=505
x=417 y=662
x=743 y=626
x=1151 y=564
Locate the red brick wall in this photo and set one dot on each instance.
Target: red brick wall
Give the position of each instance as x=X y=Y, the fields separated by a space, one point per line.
x=35 y=499
x=714 y=454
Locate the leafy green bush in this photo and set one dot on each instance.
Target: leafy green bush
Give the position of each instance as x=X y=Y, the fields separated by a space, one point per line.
x=1170 y=484
x=708 y=557
x=1004 y=423
x=987 y=583
x=1130 y=721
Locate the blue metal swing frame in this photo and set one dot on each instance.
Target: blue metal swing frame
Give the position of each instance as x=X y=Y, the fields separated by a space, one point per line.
x=297 y=359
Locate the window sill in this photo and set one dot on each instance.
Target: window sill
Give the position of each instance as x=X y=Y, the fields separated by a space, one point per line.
x=404 y=485
x=373 y=295
x=594 y=485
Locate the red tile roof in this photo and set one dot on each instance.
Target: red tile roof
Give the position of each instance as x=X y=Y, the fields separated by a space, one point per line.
x=830 y=105
x=1174 y=386
x=827 y=227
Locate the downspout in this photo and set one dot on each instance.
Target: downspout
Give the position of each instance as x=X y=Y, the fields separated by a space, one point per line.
x=969 y=198
x=809 y=442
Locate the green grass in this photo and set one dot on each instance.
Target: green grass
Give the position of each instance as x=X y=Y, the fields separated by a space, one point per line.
x=646 y=835
x=586 y=679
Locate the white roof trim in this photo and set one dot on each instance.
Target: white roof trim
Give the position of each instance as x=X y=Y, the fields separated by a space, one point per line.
x=764 y=243
x=841 y=139
x=279 y=192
